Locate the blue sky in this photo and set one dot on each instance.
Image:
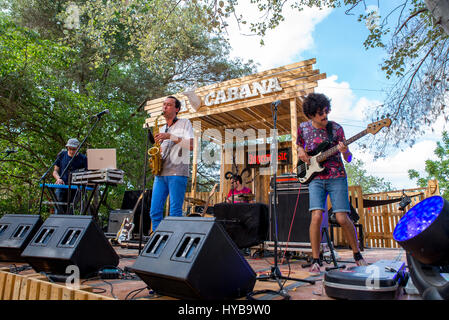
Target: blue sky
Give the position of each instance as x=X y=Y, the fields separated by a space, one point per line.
x=354 y=79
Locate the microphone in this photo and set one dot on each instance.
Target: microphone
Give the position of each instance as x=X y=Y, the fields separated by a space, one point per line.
x=100 y=114
x=276 y=103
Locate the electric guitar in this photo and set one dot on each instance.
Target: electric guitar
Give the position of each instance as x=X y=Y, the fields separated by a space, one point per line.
x=211 y=193
x=306 y=172
x=124 y=234
x=208 y=199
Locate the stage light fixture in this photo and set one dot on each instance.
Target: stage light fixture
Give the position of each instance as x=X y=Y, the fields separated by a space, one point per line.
x=424 y=231
x=405 y=201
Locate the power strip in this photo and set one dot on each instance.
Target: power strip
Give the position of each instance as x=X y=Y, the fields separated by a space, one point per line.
x=110 y=274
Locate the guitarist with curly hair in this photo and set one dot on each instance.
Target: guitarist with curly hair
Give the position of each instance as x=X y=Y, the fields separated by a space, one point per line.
x=314 y=136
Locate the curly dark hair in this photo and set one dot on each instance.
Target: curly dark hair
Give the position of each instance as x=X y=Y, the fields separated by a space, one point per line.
x=237 y=178
x=315 y=102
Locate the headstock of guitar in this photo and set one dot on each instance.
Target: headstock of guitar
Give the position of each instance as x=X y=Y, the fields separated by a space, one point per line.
x=376 y=126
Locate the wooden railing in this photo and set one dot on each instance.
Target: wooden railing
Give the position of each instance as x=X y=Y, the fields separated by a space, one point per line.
x=379 y=222
x=36 y=287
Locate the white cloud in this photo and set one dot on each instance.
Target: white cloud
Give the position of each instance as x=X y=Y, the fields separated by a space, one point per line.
x=283 y=45
x=342 y=98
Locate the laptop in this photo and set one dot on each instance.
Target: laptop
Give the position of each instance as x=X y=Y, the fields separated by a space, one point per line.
x=101 y=159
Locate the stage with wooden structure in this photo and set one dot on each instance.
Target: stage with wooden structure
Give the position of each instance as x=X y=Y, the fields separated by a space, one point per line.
x=29 y=285
x=234 y=114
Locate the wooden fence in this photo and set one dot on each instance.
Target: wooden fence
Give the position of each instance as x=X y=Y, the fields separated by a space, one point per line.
x=36 y=287
x=378 y=222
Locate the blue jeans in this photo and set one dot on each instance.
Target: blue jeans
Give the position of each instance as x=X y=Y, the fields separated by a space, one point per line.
x=336 y=188
x=61 y=196
x=175 y=186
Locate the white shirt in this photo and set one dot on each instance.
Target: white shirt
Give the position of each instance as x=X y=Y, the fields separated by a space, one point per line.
x=176 y=156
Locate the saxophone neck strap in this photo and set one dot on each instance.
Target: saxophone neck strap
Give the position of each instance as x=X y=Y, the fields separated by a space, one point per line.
x=169 y=126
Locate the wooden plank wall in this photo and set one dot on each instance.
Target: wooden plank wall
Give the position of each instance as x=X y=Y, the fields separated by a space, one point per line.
x=297 y=79
x=36 y=287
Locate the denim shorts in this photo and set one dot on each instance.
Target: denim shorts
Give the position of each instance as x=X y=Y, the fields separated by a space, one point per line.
x=336 y=188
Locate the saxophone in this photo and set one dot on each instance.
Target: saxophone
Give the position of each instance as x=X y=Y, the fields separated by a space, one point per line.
x=155 y=161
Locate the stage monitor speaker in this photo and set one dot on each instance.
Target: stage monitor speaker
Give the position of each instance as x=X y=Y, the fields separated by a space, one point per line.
x=194 y=258
x=245 y=223
x=16 y=231
x=65 y=240
x=293 y=216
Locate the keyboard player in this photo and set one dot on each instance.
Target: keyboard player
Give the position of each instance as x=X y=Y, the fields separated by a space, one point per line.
x=79 y=162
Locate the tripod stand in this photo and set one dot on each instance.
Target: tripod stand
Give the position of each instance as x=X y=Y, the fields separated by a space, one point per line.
x=275 y=271
x=331 y=248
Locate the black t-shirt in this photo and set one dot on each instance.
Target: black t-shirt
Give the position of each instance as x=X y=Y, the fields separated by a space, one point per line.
x=80 y=162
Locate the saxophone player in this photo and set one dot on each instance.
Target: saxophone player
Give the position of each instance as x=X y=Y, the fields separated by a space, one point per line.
x=176 y=142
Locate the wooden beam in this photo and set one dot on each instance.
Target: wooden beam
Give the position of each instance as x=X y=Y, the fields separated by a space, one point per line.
x=287 y=94
x=249 y=78
x=294 y=133
x=222 y=174
x=195 y=163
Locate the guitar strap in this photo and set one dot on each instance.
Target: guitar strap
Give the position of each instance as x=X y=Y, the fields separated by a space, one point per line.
x=330 y=133
x=330 y=137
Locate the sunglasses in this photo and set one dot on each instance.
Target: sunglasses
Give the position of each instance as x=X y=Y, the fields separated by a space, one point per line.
x=324 y=111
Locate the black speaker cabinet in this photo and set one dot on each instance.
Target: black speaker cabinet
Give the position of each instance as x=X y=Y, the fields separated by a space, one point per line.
x=65 y=240
x=16 y=231
x=288 y=221
x=194 y=258
x=245 y=223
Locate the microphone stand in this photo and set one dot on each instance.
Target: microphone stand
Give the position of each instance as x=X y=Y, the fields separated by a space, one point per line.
x=149 y=137
x=234 y=167
x=44 y=176
x=275 y=272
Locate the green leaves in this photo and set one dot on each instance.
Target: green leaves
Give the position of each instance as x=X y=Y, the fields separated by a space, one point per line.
x=357 y=175
x=55 y=74
x=438 y=169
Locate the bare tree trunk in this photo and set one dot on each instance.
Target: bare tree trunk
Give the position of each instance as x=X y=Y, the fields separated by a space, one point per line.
x=440 y=11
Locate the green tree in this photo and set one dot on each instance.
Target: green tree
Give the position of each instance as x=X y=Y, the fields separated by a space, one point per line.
x=55 y=74
x=438 y=169
x=358 y=176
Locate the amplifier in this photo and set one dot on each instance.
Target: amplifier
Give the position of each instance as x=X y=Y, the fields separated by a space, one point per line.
x=287 y=182
x=293 y=216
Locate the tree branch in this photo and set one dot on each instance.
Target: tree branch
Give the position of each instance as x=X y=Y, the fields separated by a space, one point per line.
x=408 y=19
x=413 y=77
